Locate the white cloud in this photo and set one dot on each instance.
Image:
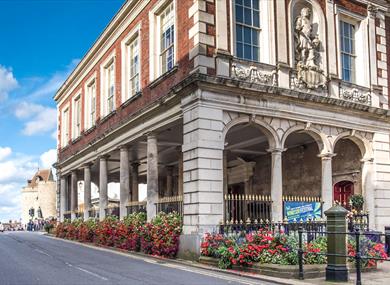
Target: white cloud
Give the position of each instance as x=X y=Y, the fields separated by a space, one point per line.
x=40 y=119
x=15 y=170
x=43 y=122
x=53 y=83
x=48 y=158
x=7 y=82
x=4 y=152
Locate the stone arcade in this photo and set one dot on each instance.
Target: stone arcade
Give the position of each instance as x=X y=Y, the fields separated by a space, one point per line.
x=206 y=101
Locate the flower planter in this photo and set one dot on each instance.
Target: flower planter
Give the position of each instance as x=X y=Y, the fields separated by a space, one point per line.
x=282 y=271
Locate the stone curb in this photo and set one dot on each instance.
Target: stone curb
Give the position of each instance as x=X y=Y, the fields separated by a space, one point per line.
x=138 y=255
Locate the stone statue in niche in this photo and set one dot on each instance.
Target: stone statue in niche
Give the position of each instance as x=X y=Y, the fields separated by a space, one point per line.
x=307 y=53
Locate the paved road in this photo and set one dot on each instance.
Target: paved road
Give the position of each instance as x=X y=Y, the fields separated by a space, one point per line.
x=32 y=258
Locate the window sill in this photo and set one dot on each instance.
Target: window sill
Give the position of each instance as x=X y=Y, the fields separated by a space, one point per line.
x=75 y=140
x=131 y=99
x=109 y=115
x=162 y=77
x=90 y=130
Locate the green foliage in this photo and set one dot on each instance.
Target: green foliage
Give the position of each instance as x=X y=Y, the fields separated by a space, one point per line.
x=357 y=202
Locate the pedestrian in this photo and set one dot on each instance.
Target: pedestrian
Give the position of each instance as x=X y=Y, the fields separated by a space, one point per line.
x=1 y=227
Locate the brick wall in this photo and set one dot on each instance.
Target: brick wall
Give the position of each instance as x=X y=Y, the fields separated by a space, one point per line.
x=149 y=94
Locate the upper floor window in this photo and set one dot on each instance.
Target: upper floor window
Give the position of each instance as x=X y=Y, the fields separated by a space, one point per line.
x=348 y=55
x=108 y=87
x=76 y=117
x=247 y=29
x=167 y=32
x=65 y=127
x=90 y=104
x=131 y=65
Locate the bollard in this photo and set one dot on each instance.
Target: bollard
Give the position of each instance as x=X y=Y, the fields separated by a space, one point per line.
x=336 y=269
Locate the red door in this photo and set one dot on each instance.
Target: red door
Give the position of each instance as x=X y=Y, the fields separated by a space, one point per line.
x=343 y=190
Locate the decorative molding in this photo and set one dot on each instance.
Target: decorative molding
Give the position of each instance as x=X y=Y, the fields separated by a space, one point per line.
x=253 y=75
x=354 y=94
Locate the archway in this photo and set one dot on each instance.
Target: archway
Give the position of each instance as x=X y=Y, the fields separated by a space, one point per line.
x=346 y=171
x=301 y=171
x=247 y=173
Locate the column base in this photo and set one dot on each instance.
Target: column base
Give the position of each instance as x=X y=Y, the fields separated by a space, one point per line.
x=337 y=273
x=189 y=247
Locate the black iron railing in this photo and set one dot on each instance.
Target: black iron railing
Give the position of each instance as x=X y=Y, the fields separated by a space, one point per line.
x=136 y=207
x=170 y=204
x=240 y=207
x=112 y=211
x=359 y=256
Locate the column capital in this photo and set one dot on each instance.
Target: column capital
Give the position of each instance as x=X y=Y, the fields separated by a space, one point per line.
x=367 y=160
x=276 y=150
x=325 y=156
x=124 y=147
x=103 y=157
x=151 y=134
x=87 y=165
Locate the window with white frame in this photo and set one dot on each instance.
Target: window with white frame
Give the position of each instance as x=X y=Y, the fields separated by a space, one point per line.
x=347 y=48
x=65 y=127
x=108 y=87
x=76 y=117
x=90 y=104
x=247 y=29
x=131 y=66
x=167 y=38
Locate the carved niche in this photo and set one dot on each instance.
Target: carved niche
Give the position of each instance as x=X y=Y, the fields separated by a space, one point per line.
x=307 y=45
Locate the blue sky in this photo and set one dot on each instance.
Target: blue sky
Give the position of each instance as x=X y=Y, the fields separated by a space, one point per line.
x=41 y=41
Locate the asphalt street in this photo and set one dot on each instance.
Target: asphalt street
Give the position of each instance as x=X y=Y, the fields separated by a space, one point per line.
x=33 y=258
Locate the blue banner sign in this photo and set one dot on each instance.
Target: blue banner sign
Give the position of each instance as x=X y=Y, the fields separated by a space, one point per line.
x=297 y=211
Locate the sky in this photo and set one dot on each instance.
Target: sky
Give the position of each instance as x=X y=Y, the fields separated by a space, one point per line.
x=41 y=42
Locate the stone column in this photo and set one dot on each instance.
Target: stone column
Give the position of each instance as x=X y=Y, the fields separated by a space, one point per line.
x=277 y=185
x=372 y=11
x=87 y=191
x=63 y=198
x=203 y=171
x=134 y=181
x=169 y=181
x=152 y=176
x=326 y=181
x=368 y=190
x=74 y=195
x=124 y=181
x=103 y=180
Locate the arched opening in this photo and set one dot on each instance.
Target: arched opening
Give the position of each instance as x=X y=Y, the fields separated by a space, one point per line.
x=302 y=176
x=346 y=171
x=247 y=173
x=301 y=166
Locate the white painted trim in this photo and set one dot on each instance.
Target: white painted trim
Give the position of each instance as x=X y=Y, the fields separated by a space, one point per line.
x=101 y=46
x=111 y=59
x=154 y=42
x=79 y=97
x=132 y=35
x=267 y=42
x=87 y=110
x=361 y=45
x=65 y=108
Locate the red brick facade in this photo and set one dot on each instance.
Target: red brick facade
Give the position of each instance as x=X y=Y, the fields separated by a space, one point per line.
x=149 y=94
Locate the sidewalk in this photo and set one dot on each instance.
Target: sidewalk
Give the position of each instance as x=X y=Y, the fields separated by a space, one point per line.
x=381 y=276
